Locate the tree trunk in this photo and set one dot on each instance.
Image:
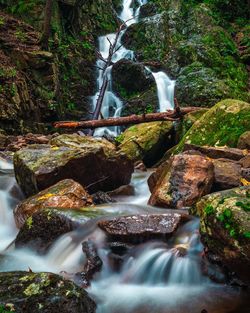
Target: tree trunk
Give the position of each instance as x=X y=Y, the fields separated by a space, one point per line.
x=47 y=24
x=132 y=119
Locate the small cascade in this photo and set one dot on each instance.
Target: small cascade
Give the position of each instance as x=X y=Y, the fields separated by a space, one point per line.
x=9 y=197
x=165 y=91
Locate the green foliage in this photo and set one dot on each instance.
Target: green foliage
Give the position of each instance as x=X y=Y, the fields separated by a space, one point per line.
x=7 y=72
x=226 y=218
x=3 y=309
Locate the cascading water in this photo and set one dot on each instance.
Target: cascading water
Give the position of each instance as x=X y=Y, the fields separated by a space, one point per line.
x=157 y=276
x=112 y=105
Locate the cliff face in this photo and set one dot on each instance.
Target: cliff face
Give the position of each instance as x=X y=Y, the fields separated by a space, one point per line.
x=38 y=86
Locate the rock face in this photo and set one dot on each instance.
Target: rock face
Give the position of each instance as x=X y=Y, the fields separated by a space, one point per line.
x=234 y=115
x=93 y=163
x=65 y=194
x=225 y=229
x=42 y=292
x=147 y=141
x=244 y=141
x=139 y=228
x=185 y=179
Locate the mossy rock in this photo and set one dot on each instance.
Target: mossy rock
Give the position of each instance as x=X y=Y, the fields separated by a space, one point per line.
x=225 y=228
x=147 y=141
x=92 y=162
x=222 y=125
x=42 y=292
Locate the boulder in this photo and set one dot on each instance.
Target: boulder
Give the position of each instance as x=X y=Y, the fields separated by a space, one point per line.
x=222 y=125
x=225 y=229
x=227 y=174
x=244 y=141
x=184 y=179
x=65 y=194
x=43 y=228
x=42 y=292
x=140 y=228
x=147 y=141
x=94 y=163
x=129 y=78
x=217 y=152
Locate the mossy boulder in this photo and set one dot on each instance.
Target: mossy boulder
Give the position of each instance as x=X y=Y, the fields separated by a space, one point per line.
x=222 y=125
x=65 y=194
x=42 y=292
x=130 y=78
x=43 y=228
x=94 y=163
x=225 y=229
x=147 y=141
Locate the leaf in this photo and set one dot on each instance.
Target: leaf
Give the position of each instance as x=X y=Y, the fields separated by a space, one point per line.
x=244 y=182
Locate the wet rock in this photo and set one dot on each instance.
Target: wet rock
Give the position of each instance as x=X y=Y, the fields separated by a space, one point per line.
x=65 y=194
x=92 y=265
x=217 y=152
x=245 y=162
x=126 y=190
x=43 y=228
x=227 y=174
x=139 y=228
x=225 y=229
x=148 y=9
x=101 y=197
x=42 y=292
x=147 y=141
x=184 y=180
x=129 y=77
x=244 y=141
x=94 y=163
x=3 y=141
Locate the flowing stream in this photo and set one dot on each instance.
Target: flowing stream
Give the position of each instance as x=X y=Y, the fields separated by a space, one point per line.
x=112 y=105
x=156 y=276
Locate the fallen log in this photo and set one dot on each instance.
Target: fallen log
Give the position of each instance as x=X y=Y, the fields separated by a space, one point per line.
x=127 y=120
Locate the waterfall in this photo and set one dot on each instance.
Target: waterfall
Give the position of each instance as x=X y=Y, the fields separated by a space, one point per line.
x=112 y=105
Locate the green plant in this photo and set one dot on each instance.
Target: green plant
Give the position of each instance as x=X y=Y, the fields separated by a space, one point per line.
x=3 y=309
x=244 y=206
x=120 y=138
x=20 y=35
x=209 y=209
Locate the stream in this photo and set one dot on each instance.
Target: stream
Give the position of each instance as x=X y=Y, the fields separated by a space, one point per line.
x=112 y=105
x=156 y=276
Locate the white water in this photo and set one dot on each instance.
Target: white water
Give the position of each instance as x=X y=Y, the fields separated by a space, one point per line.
x=159 y=277
x=112 y=105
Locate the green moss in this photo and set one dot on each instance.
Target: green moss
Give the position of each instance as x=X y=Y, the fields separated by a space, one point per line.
x=221 y=125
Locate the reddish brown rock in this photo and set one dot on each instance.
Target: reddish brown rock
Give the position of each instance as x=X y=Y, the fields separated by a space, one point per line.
x=67 y=194
x=217 y=152
x=184 y=180
x=139 y=228
x=227 y=174
x=244 y=141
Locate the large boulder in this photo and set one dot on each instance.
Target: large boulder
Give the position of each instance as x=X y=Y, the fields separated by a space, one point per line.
x=94 y=163
x=65 y=194
x=140 y=228
x=184 y=179
x=222 y=125
x=129 y=78
x=147 y=141
x=225 y=229
x=42 y=292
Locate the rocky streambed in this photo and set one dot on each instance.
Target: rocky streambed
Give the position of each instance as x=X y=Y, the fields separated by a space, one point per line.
x=86 y=221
